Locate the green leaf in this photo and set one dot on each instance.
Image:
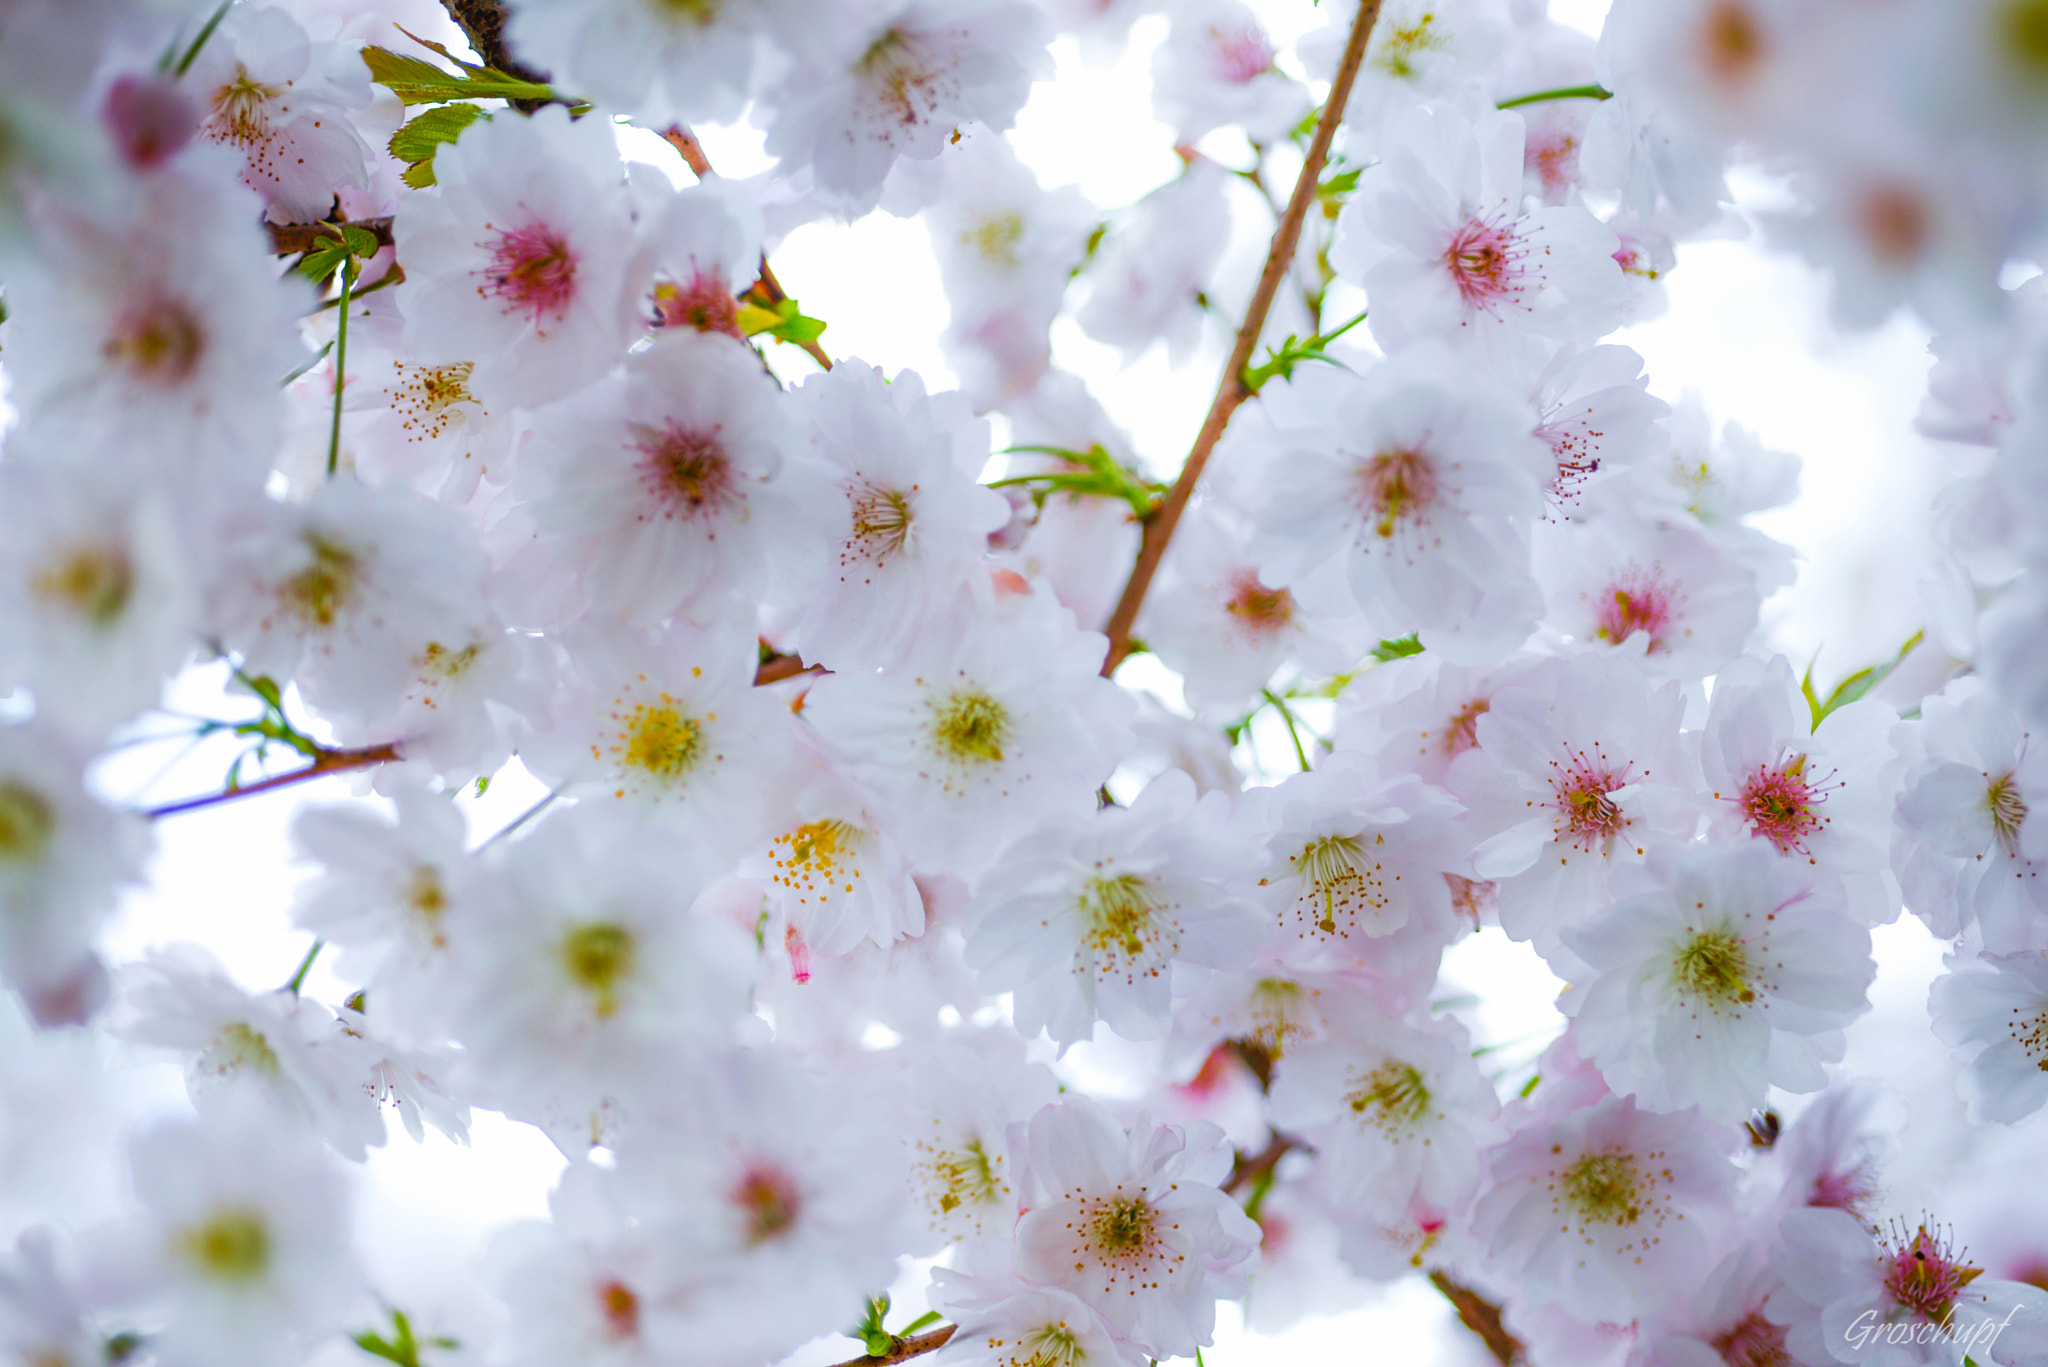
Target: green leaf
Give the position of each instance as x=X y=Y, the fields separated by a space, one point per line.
x=1530 y=1085
x=929 y=1317
x=416 y=142
x=1397 y=650
x=483 y=784
x=360 y=241
x=1857 y=686
x=1097 y=475
x=417 y=81
x=1282 y=360
x=322 y=262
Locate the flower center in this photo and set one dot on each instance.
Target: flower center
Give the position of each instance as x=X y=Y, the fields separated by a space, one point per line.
x=426 y=398
x=532 y=269
x=768 y=1203
x=705 y=304
x=1733 y=40
x=320 y=592
x=621 y=1310
x=92 y=582
x=239 y=1048
x=1121 y=1228
x=2008 y=812
x=1275 y=1003
x=442 y=663
x=2025 y=34
x=1591 y=817
x=882 y=522
x=1603 y=1188
x=996 y=237
x=1392 y=1097
x=1120 y=923
x=1461 y=733
x=2029 y=1030
x=1399 y=47
x=1340 y=880
x=1049 y=1345
x=1714 y=967
x=26 y=823
x=1896 y=224
x=662 y=740
x=1484 y=263
x=598 y=958
x=427 y=896
x=238 y=113
x=1779 y=805
x=1637 y=600
x=898 y=77
x=1397 y=486
x=1240 y=54
x=686 y=470
x=1260 y=611
x=970 y=726
x=1755 y=1342
x=161 y=343
x=700 y=12
x=962 y=1177
x=818 y=855
x=1925 y=1274
x=233 y=1246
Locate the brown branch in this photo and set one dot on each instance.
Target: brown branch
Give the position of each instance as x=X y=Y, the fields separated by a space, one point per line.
x=289 y=239
x=325 y=763
x=767 y=286
x=916 y=1346
x=779 y=667
x=483 y=23
x=1159 y=527
x=1482 y=1317
x=685 y=142
x=1246 y=1168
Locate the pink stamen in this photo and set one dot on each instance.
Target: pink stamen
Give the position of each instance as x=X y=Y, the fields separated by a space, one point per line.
x=1755 y=1342
x=621 y=1310
x=533 y=270
x=1397 y=487
x=685 y=471
x=1240 y=55
x=1925 y=1274
x=1261 y=612
x=799 y=955
x=1780 y=803
x=1485 y=261
x=1636 y=600
x=1580 y=785
x=706 y=304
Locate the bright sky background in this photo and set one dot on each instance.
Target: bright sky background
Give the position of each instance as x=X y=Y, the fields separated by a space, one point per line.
x=1747 y=329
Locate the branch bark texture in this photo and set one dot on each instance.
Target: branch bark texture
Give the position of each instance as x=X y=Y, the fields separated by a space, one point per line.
x=1159 y=528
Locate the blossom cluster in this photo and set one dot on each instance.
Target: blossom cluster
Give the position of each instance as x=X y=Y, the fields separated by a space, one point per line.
x=365 y=369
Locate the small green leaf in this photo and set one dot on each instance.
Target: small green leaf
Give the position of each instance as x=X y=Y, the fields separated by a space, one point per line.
x=799 y=330
x=322 y=262
x=360 y=241
x=1857 y=686
x=929 y=1317
x=417 y=141
x=1397 y=650
x=483 y=784
x=265 y=687
x=417 y=81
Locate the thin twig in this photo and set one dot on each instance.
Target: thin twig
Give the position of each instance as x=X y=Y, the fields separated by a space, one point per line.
x=290 y=239
x=916 y=1346
x=325 y=763
x=1482 y=1317
x=780 y=667
x=1231 y=392
x=767 y=286
x=1248 y=1168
